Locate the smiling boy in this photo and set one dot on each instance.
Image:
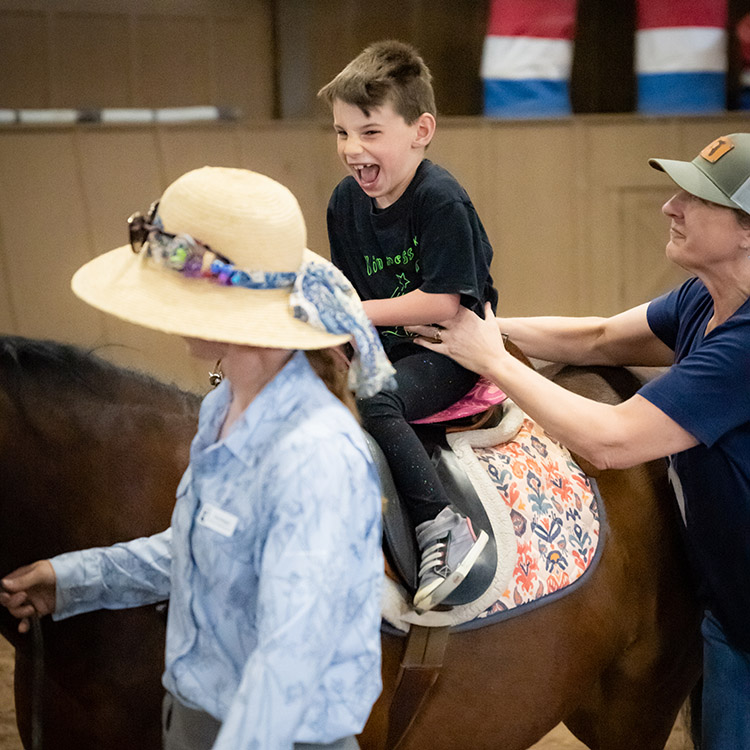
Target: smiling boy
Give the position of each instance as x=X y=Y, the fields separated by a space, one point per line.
x=406 y=234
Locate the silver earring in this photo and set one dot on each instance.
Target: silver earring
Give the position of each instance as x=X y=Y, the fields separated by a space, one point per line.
x=216 y=376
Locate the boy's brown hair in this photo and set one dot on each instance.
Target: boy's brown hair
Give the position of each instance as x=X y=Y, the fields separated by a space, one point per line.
x=387 y=71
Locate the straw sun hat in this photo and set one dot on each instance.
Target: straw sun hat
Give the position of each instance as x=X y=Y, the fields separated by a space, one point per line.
x=240 y=216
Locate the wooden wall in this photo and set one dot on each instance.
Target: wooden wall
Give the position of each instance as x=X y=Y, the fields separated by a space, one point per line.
x=265 y=58
x=268 y=58
x=571 y=207
x=315 y=40
x=137 y=53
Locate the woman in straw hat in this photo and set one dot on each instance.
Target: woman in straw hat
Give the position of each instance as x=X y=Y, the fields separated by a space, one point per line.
x=272 y=563
x=697 y=412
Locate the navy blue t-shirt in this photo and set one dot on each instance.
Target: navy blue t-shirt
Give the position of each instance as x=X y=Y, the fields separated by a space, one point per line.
x=707 y=392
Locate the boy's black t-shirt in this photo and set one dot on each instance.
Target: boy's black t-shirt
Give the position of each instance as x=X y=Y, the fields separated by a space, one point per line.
x=431 y=239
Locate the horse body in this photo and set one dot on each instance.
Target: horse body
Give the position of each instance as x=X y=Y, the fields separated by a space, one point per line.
x=614 y=659
x=91 y=455
x=62 y=487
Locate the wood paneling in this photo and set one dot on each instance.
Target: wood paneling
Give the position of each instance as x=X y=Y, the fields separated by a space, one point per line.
x=46 y=232
x=85 y=72
x=642 y=271
x=8 y=320
x=537 y=256
x=172 y=61
x=302 y=157
x=450 y=36
x=244 y=62
x=181 y=149
x=571 y=207
x=138 y=53
x=602 y=78
x=316 y=40
x=25 y=79
x=268 y=58
x=165 y=7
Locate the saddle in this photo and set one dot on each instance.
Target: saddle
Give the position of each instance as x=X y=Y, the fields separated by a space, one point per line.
x=542 y=517
x=545 y=514
x=425 y=647
x=399 y=543
x=480 y=407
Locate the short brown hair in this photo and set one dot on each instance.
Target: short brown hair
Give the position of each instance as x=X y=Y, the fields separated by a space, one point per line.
x=389 y=71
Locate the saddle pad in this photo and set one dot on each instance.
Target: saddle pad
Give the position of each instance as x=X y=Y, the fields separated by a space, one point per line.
x=532 y=485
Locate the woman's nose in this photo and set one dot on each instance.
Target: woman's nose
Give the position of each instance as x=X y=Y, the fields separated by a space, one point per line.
x=673 y=207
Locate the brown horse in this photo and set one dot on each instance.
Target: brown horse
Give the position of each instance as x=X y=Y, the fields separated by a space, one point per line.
x=91 y=454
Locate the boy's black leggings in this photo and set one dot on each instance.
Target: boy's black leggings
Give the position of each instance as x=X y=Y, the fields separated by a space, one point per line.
x=427 y=383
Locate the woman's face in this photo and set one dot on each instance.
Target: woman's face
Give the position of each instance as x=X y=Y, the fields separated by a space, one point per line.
x=202 y=349
x=702 y=234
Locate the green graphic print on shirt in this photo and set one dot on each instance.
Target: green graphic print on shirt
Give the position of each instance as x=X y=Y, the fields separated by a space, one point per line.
x=402 y=284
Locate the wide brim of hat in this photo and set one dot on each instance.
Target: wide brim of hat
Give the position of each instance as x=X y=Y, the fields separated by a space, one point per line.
x=687 y=176
x=135 y=289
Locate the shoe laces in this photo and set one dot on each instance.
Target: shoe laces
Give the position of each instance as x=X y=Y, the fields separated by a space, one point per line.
x=433 y=540
x=433 y=558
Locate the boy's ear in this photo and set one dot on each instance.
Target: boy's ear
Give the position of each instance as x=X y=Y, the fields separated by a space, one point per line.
x=425 y=129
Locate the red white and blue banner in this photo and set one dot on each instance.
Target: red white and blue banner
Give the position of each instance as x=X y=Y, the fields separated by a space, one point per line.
x=743 y=37
x=527 y=58
x=681 y=56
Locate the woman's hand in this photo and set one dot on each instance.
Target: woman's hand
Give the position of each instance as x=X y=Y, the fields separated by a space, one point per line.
x=29 y=591
x=473 y=342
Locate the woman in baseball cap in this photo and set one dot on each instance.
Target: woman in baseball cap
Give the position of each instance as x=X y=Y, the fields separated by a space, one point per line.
x=697 y=412
x=718 y=174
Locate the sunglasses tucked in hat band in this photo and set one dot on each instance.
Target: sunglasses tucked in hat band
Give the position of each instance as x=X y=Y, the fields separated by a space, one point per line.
x=268 y=290
x=720 y=173
x=193 y=259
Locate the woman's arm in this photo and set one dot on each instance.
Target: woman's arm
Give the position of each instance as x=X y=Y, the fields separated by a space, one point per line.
x=624 y=339
x=608 y=436
x=611 y=437
x=414 y=308
x=127 y=574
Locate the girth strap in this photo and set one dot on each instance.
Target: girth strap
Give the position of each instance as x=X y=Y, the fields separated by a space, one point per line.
x=420 y=668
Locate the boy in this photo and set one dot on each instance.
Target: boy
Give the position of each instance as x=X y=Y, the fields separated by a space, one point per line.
x=408 y=237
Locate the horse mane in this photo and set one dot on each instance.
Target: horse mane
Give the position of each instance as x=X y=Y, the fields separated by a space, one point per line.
x=33 y=371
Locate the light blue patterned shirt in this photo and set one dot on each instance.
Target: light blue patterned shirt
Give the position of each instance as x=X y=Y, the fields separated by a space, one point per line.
x=273 y=567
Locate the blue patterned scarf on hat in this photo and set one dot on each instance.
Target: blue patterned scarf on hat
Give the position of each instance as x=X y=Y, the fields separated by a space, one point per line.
x=321 y=295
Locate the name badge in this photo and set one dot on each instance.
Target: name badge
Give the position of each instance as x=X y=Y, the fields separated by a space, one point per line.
x=217 y=520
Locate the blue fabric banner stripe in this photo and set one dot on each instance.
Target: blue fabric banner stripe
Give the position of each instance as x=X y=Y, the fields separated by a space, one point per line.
x=526 y=98
x=681 y=93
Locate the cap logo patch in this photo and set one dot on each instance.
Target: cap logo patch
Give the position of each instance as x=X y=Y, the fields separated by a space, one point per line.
x=714 y=151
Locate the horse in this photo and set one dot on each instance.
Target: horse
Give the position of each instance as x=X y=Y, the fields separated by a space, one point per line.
x=91 y=454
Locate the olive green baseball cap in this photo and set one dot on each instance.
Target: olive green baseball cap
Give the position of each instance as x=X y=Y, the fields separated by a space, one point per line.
x=720 y=173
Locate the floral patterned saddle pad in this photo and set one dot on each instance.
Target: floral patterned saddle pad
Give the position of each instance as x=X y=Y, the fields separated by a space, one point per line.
x=545 y=515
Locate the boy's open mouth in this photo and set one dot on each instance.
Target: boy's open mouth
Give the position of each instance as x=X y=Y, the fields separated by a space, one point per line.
x=367 y=173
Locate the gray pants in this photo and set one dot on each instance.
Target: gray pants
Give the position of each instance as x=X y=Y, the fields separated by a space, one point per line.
x=185 y=728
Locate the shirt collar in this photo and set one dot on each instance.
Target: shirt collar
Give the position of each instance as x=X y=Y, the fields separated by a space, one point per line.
x=276 y=401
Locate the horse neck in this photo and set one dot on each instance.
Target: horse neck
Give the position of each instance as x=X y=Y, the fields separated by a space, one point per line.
x=88 y=463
